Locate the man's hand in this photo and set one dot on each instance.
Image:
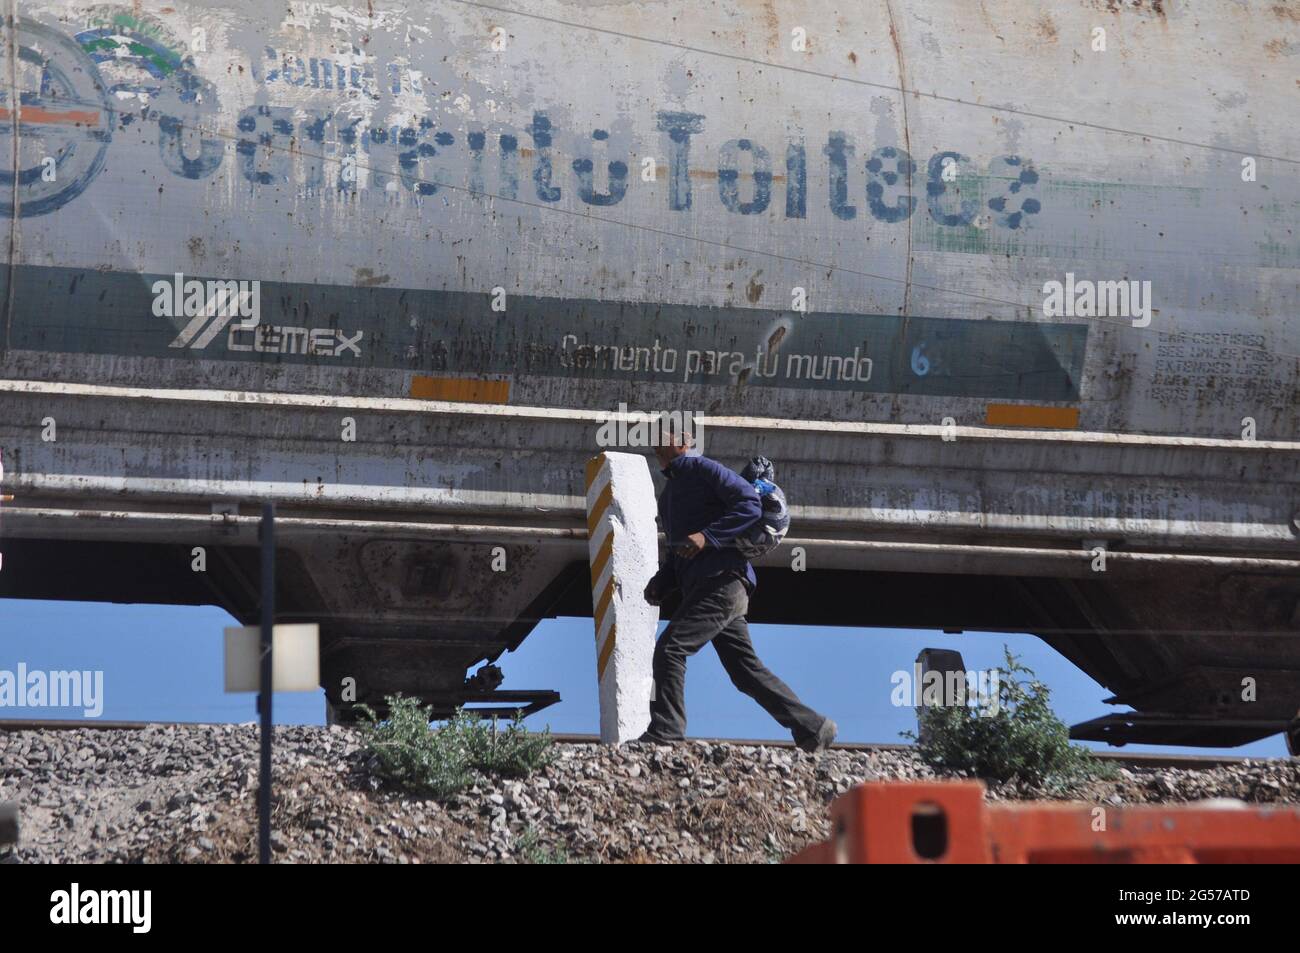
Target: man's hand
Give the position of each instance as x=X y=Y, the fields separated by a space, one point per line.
x=652 y=594
x=693 y=546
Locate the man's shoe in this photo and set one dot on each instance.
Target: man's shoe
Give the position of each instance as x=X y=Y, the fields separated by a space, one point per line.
x=649 y=739
x=822 y=740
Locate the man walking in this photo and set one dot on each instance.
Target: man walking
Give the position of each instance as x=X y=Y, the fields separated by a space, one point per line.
x=703 y=508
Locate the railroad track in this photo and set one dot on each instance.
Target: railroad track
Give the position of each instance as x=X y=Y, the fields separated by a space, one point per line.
x=1137 y=759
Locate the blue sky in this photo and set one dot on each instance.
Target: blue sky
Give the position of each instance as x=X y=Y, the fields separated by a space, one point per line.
x=164 y=663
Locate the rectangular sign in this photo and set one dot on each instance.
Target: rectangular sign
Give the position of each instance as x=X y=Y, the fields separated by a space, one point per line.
x=295 y=662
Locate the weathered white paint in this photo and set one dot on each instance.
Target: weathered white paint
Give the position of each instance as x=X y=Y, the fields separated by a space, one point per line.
x=623 y=550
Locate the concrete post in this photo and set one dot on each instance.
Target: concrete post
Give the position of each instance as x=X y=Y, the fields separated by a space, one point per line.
x=624 y=552
x=935 y=660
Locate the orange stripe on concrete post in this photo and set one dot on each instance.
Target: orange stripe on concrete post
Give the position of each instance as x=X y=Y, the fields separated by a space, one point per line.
x=623 y=549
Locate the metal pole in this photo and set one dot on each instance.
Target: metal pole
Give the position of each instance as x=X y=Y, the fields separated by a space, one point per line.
x=264 y=696
x=8 y=823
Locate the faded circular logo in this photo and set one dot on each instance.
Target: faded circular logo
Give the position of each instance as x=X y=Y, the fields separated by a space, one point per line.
x=64 y=122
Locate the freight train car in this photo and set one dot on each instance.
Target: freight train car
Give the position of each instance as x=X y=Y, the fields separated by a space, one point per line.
x=1011 y=292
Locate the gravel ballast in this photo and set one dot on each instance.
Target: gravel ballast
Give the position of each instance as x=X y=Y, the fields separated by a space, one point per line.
x=188 y=794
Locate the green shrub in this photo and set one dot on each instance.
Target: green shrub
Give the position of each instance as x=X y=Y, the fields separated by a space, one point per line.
x=530 y=850
x=513 y=753
x=407 y=753
x=445 y=760
x=1022 y=741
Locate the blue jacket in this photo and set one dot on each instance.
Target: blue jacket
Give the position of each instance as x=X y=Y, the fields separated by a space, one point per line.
x=703 y=496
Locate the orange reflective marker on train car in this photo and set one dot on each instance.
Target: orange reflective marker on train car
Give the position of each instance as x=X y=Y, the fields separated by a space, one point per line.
x=1027 y=415
x=461 y=389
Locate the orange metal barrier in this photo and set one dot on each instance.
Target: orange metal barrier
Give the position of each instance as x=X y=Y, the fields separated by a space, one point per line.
x=949 y=822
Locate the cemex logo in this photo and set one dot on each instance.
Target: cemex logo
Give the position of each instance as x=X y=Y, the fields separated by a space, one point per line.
x=77 y=906
x=212 y=306
x=203 y=300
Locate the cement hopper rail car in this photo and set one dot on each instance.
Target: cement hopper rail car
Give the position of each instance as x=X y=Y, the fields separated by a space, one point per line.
x=392 y=265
